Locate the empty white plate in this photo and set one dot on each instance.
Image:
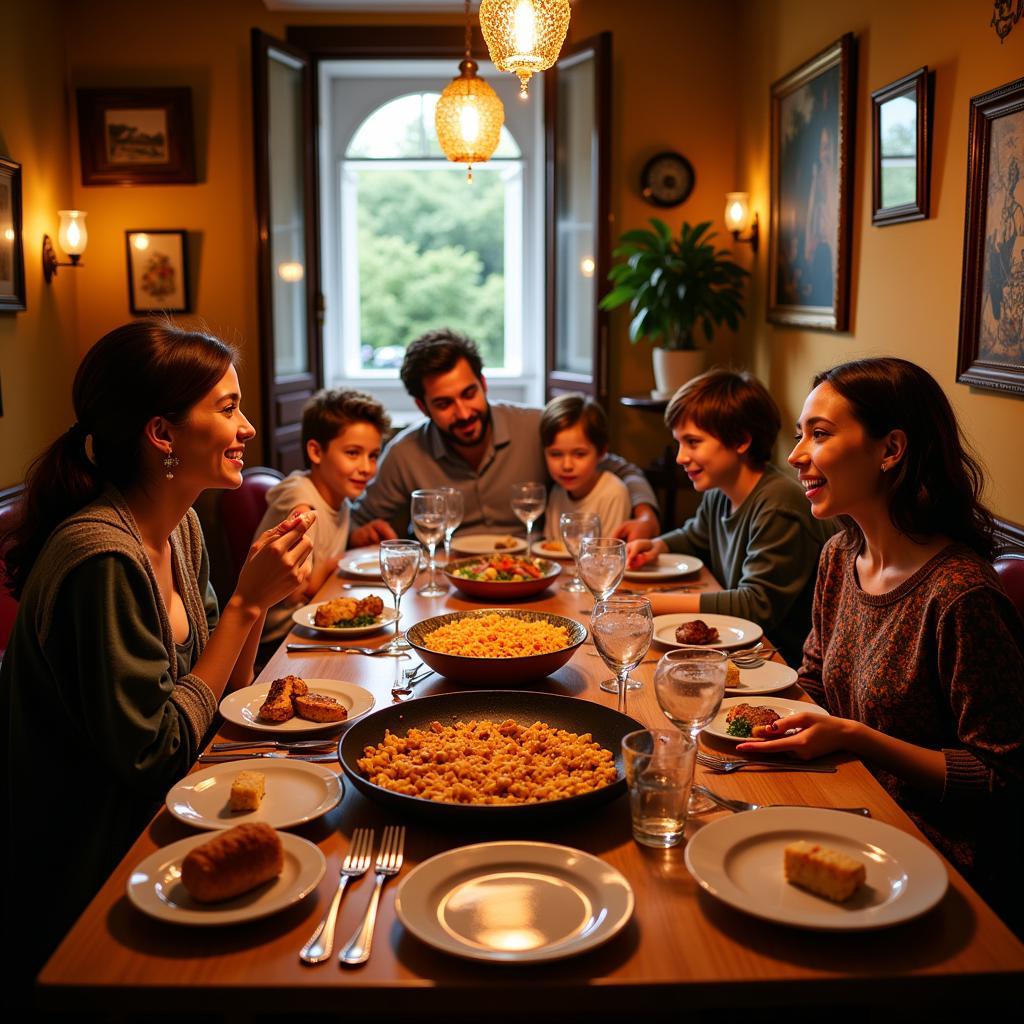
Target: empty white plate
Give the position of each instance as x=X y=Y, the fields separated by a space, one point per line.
x=363 y=562
x=732 y=632
x=304 y=616
x=666 y=567
x=242 y=706
x=483 y=543
x=780 y=705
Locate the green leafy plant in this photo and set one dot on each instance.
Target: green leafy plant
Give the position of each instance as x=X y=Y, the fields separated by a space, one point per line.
x=673 y=284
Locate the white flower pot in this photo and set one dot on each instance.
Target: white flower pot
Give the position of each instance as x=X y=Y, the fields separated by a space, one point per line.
x=672 y=369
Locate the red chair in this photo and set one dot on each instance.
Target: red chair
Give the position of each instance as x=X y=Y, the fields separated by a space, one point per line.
x=240 y=513
x=1010 y=567
x=11 y=506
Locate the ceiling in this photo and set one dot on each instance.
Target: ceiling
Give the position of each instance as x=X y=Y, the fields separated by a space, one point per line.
x=366 y=5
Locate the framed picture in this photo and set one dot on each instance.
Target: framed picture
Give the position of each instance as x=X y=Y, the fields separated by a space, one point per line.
x=157 y=271
x=12 y=256
x=991 y=349
x=901 y=150
x=136 y=136
x=812 y=179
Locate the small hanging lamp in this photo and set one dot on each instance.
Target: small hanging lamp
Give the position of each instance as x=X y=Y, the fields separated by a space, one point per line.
x=524 y=36
x=468 y=116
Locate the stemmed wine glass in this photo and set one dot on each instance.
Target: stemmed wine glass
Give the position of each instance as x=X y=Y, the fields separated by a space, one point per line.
x=399 y=563
x=622 y=626
x=455 y=508
x=602 y=563
x=528 y=501
x=429 y=513
x=690 y=684
x=575 y=527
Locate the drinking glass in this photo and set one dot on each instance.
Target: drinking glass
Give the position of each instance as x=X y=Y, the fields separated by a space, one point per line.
x=429 y=513
x=622 y=627
x=455 y=508
x=575 y=527
x=690 y=684
x=602 y=564
x=659 y=773
x=399 y=563
x=528 y=501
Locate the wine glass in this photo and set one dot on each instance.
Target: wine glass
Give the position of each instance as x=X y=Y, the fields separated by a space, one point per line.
x=399 y=563
x=429 y=513
x=622 y=627
x=602 y=564
x=528 y=501
x=576 y=526
x=455 y=508
x=690 y=684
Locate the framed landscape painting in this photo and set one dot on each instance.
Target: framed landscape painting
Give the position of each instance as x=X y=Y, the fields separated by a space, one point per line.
x=991 y=349
x=12 y=258
x=157 y=271
x=136 y=136
x=812 y=169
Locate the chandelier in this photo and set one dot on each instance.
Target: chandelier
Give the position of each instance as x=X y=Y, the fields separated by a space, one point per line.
x=524 y=36
x=468 y=116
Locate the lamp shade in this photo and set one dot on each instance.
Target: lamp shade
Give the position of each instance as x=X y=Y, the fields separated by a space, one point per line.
x=524 y=36
x=737 y=210
x=468 y=117
x=72 y=234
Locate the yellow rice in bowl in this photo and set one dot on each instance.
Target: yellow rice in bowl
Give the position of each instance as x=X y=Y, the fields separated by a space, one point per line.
x=497 y=636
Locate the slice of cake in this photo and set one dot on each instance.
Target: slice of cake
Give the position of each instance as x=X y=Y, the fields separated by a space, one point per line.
x=822 y=871
x=247 y=791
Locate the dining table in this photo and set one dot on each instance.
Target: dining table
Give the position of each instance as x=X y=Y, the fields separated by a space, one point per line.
x=681 y=948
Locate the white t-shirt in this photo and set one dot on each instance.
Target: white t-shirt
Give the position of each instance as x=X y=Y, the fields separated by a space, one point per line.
x=329 y=535
x=609 y=499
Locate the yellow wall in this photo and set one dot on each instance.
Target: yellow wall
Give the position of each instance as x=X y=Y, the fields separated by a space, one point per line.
x=905 y=281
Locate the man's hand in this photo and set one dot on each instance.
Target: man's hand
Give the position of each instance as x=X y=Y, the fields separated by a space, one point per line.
x=371 y=533
x=642 y=526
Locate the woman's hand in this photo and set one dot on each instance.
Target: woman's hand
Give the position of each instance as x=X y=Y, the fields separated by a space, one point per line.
x=278 y=562
x=818 y=735
x=640 y=552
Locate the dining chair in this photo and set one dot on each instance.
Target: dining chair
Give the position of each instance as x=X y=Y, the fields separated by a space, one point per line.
x=11 y=508
x=1010 y=567
x=239 y=513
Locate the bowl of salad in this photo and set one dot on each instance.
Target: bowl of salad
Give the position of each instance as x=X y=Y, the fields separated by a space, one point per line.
x=502 y=577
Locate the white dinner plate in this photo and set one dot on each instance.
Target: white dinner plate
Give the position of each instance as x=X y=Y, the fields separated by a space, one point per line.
x=739 y=860
x=364 y=562
x=514 y=902
x=780 y=705
x=770 y=677
x=155 y=885
x=732 y=632
x=483 y=544
x=666 y=567
x=558 y=551
x=304 y=617
x=242 y=706
x=296 y=792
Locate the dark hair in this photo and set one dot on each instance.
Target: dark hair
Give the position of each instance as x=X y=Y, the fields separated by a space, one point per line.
x=935 y=489
x=732 y=406
x=330 y=411
x=144 y=369
x=566 y=411
x=437 y=352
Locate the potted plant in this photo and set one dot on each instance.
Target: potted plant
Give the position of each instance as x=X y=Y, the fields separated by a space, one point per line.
x=675 y=286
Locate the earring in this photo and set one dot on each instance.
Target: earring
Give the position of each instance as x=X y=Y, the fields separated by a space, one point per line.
x=884 y=467
x=170 y=461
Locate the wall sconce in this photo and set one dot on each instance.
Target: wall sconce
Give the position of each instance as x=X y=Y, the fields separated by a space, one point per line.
x=73 y=238
x=737 y=216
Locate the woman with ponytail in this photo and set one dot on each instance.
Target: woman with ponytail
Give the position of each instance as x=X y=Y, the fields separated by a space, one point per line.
x=114 y=670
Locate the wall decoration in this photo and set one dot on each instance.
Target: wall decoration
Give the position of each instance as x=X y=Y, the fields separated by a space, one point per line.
x=812 y=179
x=157 y=271
x=991 y=349
x=1004 y=17
x=136 y=136
x=667 y=179
x=901 y=150
x=12 y=257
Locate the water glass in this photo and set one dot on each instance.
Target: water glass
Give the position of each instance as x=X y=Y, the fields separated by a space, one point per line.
x=399 y=563
x=659 y=774
x=602 y=565
x=622 y=627
x=690 y=684
x=575 y=528
x=528 y=502
x=455 y=507
x=428 y=511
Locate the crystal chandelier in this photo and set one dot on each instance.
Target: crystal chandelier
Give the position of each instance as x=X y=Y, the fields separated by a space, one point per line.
x=468 y=116
x=524 y=36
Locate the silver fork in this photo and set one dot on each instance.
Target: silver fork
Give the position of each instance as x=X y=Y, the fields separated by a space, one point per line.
x=721 y=764
x=403 y=688
x=742 y=805
x=356 y=863
x=389 y=862
x=338 y=649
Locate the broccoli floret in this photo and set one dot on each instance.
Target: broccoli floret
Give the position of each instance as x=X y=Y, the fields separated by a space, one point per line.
x=739 y=727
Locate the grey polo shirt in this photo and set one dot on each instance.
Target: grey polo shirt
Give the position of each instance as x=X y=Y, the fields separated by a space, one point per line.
x=419 y=456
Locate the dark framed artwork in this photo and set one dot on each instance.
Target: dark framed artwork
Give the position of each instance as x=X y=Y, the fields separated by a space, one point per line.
x=12 y=254
x=136 y=136
x=157 y=271
x=812 y=178
x=991 y=348
x=901 y=150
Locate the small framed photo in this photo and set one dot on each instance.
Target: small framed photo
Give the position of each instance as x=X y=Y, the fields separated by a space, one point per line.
x=991 y=346
x=12 y=255
x=812 y=188
x=157 y=271
x=901 y=150
x=136 y=136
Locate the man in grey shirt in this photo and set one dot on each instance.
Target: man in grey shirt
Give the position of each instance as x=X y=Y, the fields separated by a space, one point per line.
x=479 y=447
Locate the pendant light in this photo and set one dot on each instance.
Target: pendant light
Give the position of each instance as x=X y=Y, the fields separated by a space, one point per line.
x=524 y=36
x=468 y=116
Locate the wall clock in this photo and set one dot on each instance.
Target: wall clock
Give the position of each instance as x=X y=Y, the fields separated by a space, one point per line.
x=667 y=179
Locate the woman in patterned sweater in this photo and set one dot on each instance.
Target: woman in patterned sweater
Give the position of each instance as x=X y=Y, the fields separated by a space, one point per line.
x=915 y=649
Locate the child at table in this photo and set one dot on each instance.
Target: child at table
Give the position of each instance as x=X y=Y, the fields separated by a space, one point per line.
x=574 y=434
x=753 y=528
x=341 y=440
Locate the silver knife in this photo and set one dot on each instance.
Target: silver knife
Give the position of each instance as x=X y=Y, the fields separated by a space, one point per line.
x=275 y=744
x=220 y=758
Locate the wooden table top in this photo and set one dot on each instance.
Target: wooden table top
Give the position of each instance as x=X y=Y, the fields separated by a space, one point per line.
x=681 y=943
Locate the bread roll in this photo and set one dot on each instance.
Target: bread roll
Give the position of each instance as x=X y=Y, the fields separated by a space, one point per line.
x=233 y=862
x=247 y=791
